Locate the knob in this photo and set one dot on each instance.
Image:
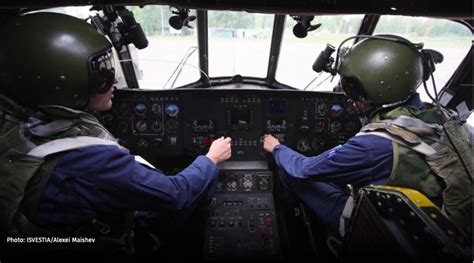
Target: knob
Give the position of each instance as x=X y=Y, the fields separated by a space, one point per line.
x=141 y=126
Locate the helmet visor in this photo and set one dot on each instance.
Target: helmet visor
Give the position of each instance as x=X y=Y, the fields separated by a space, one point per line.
x=353 y=89
x=102 y=72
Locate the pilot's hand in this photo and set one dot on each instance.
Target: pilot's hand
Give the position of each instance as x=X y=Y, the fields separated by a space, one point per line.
x=219 y=150
x=269 y=142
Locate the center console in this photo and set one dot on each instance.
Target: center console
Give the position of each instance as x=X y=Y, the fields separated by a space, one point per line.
x=242 y=222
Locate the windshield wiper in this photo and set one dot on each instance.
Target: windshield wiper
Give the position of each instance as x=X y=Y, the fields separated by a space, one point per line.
x=180 y=66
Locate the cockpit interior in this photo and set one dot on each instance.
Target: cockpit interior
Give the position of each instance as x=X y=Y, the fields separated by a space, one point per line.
x=189 y=72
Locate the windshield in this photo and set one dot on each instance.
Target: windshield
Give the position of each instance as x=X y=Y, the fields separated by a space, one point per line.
x=171 y=58
x=239 y=43
x=452 y=39
x=298 y=54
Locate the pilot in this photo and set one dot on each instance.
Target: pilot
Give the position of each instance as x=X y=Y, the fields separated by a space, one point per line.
x=380 y=75
x=55 y=70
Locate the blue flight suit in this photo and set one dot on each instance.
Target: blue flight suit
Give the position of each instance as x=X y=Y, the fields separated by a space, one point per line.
x=107 y=180
x=319 y=181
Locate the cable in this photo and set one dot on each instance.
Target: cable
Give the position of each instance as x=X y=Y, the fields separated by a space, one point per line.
x=427 y=92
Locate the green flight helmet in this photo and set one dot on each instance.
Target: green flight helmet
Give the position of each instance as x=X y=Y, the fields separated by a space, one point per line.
x=385 y=71
x=51 y=59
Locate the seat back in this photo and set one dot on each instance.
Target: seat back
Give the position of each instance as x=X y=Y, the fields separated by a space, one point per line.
x=402 y=224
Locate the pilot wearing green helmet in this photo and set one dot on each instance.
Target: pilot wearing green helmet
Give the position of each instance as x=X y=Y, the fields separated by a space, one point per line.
x=383 y=72
x=68 y=63
x=404 y=144
x=62 y=173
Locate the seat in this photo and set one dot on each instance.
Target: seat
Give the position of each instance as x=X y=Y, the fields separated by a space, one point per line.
x=402 y=224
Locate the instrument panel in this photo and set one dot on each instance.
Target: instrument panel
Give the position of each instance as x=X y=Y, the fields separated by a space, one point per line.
x=242 y=222
x=170 y=123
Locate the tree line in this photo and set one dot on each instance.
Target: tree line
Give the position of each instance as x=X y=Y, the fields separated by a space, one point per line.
x=154 y=21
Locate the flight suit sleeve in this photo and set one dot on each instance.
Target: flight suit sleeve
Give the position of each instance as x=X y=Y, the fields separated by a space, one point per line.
x=181 y=192
x=352 y=162
x=105 y=178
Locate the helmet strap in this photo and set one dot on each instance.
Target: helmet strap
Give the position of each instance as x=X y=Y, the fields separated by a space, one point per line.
x=385 y=107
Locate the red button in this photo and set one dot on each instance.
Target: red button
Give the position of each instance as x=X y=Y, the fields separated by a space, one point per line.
x=205 y=141
x=269 y=222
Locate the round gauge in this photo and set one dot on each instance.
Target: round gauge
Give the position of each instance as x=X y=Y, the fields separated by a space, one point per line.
x=247 y=182
x=322 y=109
x=336 y=110
x=231 y=185
x=172 y=110
x=263 y=183
x=335 y=126
x=141 y=126
x=140 y=109
x=156 y=108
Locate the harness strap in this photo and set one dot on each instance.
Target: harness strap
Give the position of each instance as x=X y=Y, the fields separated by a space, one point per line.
x=415 y=125
x=51 y=128
x=422 y=147
x=346 y=215
x=66 y=144
x=33 y=192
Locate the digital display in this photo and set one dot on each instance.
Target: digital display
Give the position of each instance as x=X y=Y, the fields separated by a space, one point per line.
x=240 y=118
x=276 y=106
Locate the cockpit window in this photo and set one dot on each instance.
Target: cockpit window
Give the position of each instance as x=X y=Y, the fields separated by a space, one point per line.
x=239 y=43
x=298 y=54
x=452 y=39
x=171 y=59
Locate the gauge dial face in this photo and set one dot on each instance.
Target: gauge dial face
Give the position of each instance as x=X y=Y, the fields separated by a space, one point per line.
x=156 y=108
x=336 y=110
x=140 y=109
x=336 y=126
x=172 y=110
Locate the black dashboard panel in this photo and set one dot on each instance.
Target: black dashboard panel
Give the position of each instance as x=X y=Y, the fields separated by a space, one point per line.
x=171 y=123
x=245 y=222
